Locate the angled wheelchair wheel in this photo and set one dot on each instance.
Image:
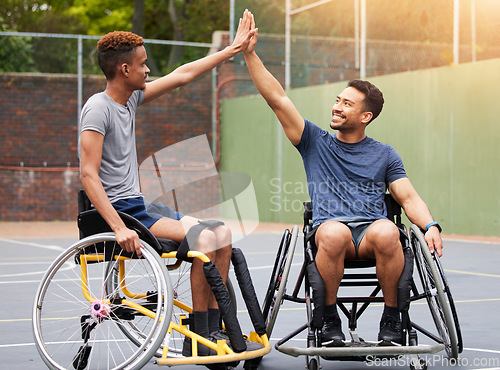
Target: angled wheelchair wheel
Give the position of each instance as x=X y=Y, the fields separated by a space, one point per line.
x=279 y=277
x=79 y=315
x=437 y=292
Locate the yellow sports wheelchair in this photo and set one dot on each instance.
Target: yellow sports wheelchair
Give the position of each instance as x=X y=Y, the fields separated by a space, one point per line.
x=100 y=307
x=429 y=286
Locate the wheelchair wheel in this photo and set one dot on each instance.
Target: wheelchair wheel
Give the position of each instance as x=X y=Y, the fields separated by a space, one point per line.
x=436 y=291
x=78 y=320
x=279 y=277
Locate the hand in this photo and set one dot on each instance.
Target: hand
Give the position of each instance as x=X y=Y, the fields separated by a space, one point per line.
x=129 y=241
x=253 y=40
x=245 y=32
x=434 y=241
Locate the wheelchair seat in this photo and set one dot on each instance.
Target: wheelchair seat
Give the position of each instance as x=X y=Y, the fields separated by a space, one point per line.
x=393 y=213
x=90 y=222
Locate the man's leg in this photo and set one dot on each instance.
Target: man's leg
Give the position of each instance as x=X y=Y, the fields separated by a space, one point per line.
x=216 y=245
x=334 y=243
x=382 y=243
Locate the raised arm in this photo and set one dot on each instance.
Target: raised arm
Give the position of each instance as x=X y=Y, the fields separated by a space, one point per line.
x=190 y=71
x=274 y=94
x=417 y=211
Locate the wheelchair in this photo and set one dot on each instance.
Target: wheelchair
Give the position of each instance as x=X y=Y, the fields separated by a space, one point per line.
x=98 y=306
x=429 y=285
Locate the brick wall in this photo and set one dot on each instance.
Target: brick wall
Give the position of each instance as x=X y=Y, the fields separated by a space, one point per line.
x=38 y=138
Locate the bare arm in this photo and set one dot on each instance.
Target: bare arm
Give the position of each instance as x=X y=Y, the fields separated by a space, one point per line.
x=190 y=71
x=274 y=94
x=91 y=154
x=417 y=211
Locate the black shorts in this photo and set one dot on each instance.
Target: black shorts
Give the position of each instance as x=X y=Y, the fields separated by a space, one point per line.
x=358 y=230
x=147 y=213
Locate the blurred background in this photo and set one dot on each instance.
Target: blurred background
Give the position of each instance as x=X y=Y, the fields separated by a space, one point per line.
x=48 y=69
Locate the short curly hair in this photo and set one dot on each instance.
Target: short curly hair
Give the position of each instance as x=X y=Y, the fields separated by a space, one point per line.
x=115 y=48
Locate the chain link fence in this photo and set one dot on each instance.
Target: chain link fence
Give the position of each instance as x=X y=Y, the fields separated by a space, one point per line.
x=330 y=40
x=335 y=40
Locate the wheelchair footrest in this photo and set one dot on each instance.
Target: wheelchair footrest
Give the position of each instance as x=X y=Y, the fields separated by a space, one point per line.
x=359 y=351
x=229 y=357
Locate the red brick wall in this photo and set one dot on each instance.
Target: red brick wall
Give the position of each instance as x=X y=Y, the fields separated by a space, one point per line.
x=38 y=138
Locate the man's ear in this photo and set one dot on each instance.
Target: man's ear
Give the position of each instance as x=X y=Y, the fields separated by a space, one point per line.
x=124 y=69
x=366 y=117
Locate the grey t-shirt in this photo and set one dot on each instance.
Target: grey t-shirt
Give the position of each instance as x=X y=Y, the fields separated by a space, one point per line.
x=119 y=170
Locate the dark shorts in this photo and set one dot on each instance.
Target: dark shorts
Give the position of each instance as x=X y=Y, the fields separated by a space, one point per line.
x=147 y=213
x=358 y=230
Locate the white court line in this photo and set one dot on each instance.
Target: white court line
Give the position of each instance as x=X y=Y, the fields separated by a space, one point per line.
x=481 y=350
x=31 y=244
x=49 y=343
x=74 y=266
x=69 y=266
x=36 y=245
x=271 y=339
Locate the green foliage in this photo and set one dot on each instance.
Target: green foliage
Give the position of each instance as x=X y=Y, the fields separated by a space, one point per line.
x=196 y=21
x=102 y=16
x=40 y=16
x=14 y=49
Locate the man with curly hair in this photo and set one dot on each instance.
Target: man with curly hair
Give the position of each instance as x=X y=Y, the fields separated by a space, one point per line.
x=108 y=158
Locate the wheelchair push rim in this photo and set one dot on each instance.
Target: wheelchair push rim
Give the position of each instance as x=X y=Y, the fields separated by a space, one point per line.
x=434 y=286
x=279 y=278
x=64 y=310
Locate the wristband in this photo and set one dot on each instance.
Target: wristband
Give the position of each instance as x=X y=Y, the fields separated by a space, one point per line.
x=433 y=223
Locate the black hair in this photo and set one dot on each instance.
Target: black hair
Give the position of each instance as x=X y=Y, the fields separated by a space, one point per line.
x=374 y=99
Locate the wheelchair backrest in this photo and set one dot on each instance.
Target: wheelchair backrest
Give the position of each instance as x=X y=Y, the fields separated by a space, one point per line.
x=90 y=222
x=83 y=202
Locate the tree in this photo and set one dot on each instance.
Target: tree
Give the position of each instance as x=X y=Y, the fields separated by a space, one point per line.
x=14 y=49
x=179 y=20
x=184 y=20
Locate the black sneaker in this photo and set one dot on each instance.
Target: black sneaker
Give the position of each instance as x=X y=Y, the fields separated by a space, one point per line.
x=331 y=333
x=390 y=329
x=222 y=335
x=202 y=349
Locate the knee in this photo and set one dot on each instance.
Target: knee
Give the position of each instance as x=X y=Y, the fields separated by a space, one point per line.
x=223 y=236
x=206 y=242
x=333 y=238
x=385 y=237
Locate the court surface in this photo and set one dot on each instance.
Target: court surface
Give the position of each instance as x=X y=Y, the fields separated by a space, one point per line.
x=472 y=269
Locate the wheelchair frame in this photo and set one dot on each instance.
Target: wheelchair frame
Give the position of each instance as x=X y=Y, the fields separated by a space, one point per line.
x=433 y=288
x=138 y=296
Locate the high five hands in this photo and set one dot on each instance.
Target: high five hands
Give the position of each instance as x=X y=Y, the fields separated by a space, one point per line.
x=246 y=34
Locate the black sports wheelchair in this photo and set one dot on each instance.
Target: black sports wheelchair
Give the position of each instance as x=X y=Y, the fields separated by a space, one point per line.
x=100 y=307
x=429 y=285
